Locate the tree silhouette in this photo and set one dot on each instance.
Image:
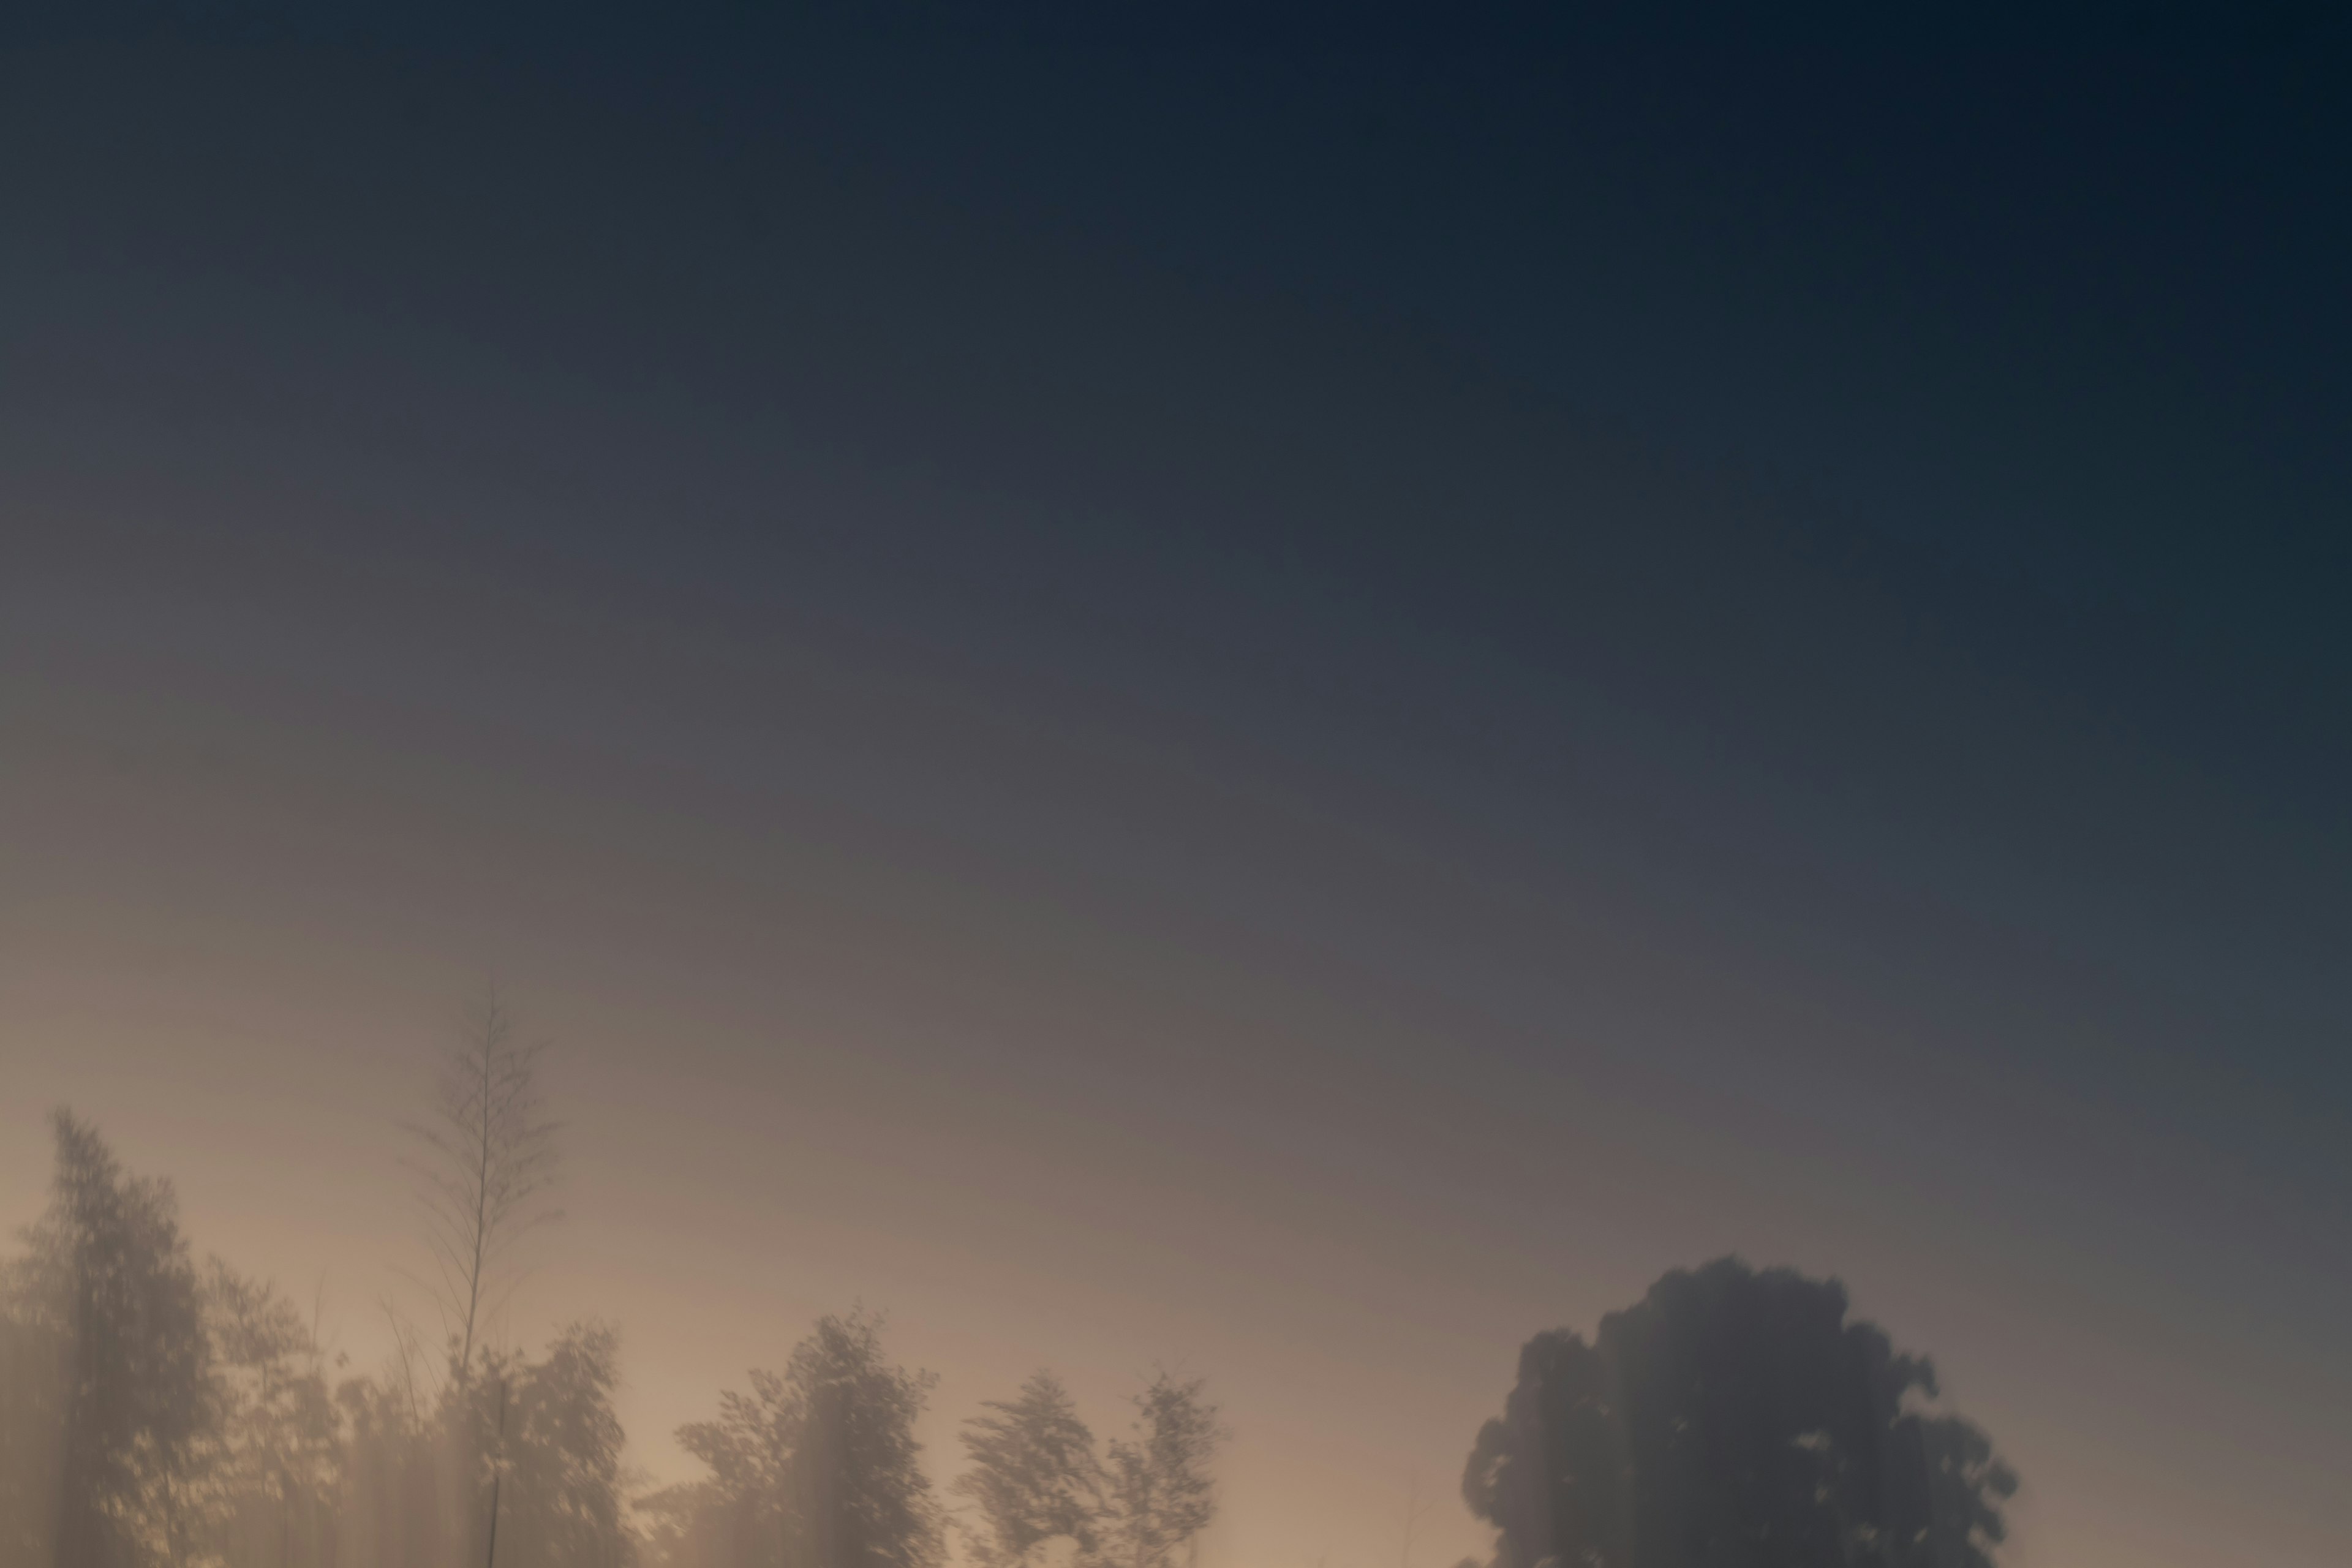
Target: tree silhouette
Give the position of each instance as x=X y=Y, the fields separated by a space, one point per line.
x=33 y=1395
x=1033 y=1476
x=486 y=1151
x=556 y=1453
x=108 y=1285
x=815 y=1468
x=267 y=1477
x=1161 y=1493
x=1733 y=1419
x=397 y=1492
x=862 y=1500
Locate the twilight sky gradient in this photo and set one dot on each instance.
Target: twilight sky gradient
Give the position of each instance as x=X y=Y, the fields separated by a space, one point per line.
x=1300 y=699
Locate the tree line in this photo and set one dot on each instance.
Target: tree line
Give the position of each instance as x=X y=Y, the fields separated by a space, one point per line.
x=160 y=1411
x=156 y=1411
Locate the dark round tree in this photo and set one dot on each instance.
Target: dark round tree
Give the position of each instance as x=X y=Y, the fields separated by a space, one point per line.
x=1734 y=1419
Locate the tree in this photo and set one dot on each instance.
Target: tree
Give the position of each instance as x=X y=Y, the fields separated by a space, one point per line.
x=1733 y=1419
x=33 y=1396
x=267 y=1474
x=108 y=1288
x=1034 y=1477
x=815 y=1468
x=1162 y=1492
x=486 y=1153
x=743 y=1514
x=556 y=1453
x=860 y=1497
x=398 y=1496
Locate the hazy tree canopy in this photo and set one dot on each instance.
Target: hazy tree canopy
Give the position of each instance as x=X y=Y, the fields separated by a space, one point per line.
x=554 y=1450
x=1733 y=1419
x=1162 y=1494
x=266 y=1472
x=864 y=1500
x=108 y=1290
x=400 y=1491
x=153 y=1415
x=815 y=1468
x=1034 y=1477
x=32 y=1417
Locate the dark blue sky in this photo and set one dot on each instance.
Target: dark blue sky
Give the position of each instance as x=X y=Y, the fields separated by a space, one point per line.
x=1792 y=580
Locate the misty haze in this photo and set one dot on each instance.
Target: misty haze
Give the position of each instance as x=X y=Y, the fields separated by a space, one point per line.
x=970 y=786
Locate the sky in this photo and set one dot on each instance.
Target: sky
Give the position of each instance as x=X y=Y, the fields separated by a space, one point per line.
x=1291 y=697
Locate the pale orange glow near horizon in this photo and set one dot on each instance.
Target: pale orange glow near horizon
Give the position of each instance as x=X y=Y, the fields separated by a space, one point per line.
x=1294 y=701
x=751 y=1146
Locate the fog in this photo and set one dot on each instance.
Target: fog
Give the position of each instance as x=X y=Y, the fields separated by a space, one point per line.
x=154 y=1409
x=822 y=789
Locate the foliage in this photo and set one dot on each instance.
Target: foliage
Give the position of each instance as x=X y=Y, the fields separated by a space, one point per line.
x=108 y=1288
x=1733 y=1419
x=400 y=1496
x=265 y=1472
x=32 y=1393
x=554 y=1450
x=1034 y=1477
x=156 y=1415
x=815 y=1468
x=1162 y=1492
